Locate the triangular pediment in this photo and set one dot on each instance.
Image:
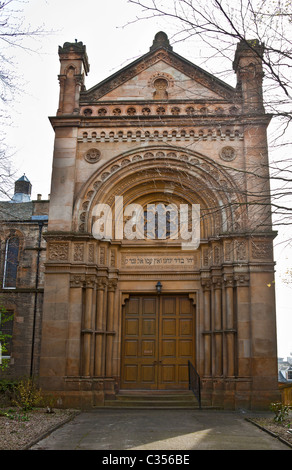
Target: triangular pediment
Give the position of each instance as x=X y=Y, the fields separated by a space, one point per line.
x=138 y=81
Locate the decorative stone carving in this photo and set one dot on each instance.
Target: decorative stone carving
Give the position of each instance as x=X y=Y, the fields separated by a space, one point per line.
x=146 y=111
x=90 y=281
x=87 y=112
x=131 y=111
x=228 y=154
x=77 y=280
x=112 y=285
x=102 y=255
x=113 y=258
x=91 y=253
x=189 y=70
x=206 y=283
x=206 y=257
x=262 y=250
x=242 y=280
x=229 y=134
x=160 y=110
x=240 y=250
x=216 y=255
x=228 y=251
x=101 y=283
x=92 y=156
x=78 y=252
x=58 y=251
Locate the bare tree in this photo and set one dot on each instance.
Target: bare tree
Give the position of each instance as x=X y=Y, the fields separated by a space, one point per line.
x=14 y=33
x=219 y=25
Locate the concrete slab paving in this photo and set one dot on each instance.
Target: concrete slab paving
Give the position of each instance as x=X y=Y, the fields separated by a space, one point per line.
x=145 y=430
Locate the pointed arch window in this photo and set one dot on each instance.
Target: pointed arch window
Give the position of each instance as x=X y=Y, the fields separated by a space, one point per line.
x=11 y=263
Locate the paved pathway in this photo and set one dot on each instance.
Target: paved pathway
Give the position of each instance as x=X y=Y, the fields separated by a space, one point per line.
x=148 y=430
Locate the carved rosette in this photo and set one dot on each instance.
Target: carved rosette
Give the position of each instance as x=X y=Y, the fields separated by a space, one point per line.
x=228 y=154
x=92 y=155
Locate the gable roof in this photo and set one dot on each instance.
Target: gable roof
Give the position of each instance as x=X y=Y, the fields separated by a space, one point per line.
x=161 y=50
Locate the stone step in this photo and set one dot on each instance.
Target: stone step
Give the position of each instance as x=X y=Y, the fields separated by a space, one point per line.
x=148 y=399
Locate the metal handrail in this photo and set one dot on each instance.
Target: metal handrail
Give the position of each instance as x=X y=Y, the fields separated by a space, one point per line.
x=194 y=382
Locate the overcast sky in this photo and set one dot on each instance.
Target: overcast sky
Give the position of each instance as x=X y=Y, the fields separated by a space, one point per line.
x=112 y=40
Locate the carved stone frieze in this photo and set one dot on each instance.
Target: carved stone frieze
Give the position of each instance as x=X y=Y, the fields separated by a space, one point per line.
x=78 y=252
x=58 y=251
x=262 y=249
x=240 y=247
x=91 y=253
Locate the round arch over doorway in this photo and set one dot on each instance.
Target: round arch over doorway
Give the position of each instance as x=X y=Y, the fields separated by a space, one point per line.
x=173 y=172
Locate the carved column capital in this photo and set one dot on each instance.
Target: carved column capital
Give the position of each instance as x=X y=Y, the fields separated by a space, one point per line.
x=241 y=280
x=206 y=284
x=77 y=280
x=90 y=281
x=228 y=280
x=112 y=285
x=217 y=282
x=101 y=283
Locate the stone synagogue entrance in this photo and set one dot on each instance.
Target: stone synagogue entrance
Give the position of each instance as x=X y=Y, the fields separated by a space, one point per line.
x=157 y=342
x=159 y=132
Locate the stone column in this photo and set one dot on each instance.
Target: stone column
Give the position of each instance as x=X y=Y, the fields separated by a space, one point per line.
x=110 y=322
x=99 y=332
x=218 y=346
x=243 y=324
x=87 y=329
x=229 y=327
x=74 y=326
x=206 y=283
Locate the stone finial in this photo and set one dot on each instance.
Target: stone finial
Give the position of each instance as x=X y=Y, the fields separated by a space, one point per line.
x=161 y=40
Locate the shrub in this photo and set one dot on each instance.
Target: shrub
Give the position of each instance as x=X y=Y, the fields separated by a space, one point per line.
x=7 y=391
x=28 y=395
x=280 y=411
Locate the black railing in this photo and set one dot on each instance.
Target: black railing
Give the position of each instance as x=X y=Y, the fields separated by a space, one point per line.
x=195 y=383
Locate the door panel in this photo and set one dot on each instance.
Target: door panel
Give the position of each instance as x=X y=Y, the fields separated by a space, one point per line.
x=158 y=341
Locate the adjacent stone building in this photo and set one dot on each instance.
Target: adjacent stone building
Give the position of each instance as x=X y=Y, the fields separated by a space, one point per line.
x=126 y=308
x=23 y=223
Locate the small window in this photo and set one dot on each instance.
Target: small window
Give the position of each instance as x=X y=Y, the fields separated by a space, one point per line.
x=289 y=374
x=11 y=263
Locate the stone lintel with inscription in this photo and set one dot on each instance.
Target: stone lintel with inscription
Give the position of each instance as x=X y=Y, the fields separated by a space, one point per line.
x=165 y=262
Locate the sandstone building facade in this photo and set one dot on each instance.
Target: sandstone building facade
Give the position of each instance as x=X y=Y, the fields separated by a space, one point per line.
x=131 y=312
x=23 y=223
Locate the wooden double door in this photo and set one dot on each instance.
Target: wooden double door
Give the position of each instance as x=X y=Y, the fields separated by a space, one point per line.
x=157 y=342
